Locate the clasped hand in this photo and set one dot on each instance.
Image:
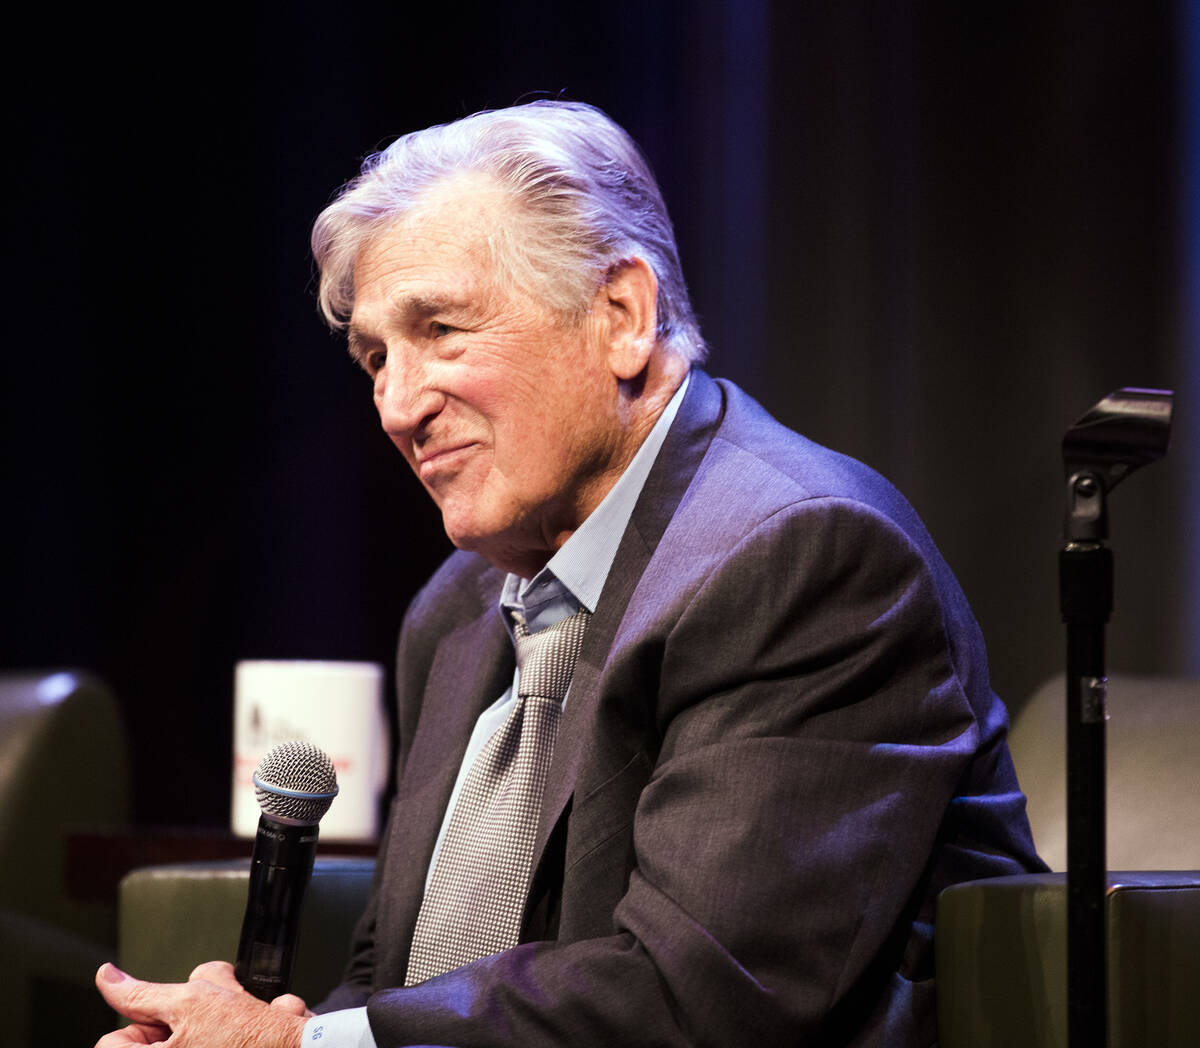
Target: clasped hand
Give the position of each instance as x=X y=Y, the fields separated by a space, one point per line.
x=210 y=1010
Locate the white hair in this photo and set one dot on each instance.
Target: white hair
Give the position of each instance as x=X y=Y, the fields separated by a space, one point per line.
x=583 y=194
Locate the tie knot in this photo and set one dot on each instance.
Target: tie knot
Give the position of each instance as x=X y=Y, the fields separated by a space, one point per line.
x=546 y=658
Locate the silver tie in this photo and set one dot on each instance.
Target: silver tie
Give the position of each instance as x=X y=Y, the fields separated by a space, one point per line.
x=476 y=896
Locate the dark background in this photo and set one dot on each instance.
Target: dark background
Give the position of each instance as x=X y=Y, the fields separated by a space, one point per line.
x=929 y=234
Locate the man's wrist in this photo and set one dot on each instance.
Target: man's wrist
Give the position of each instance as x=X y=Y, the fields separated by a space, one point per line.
x=284 y=1029
x=347 y=1028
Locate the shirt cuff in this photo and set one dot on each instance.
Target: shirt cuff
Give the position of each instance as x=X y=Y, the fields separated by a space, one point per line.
x=345 y=1029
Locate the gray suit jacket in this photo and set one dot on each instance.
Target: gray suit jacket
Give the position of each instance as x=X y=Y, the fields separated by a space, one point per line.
x=781 y=745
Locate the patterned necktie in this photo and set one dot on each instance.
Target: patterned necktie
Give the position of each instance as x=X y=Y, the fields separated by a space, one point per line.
x=476 y=896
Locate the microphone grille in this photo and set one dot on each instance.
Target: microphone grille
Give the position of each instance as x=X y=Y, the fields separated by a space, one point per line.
x=295 y=783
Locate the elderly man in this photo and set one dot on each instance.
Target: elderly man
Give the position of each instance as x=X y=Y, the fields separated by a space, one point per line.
x=696 y=723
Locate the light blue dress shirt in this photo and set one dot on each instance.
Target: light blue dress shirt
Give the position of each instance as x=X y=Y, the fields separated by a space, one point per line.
x=572 y=579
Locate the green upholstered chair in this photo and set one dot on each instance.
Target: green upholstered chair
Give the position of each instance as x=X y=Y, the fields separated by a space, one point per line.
x=64 y=763
x=172 y=918
x=1001 y=943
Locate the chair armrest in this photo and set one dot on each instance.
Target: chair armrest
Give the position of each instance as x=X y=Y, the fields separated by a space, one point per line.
x=1001 y=956
x=172 y=918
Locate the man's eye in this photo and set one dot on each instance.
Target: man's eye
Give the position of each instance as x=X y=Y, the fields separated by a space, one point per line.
x=437 y=329
x=374 y=361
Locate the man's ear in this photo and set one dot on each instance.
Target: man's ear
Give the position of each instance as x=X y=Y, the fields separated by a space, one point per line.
x=628 y=303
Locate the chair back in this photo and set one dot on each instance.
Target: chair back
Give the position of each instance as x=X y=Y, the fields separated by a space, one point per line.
x=1153 y=771
x=64 y=765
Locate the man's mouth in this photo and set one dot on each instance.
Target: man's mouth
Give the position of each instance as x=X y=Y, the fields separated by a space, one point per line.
x=441 y=460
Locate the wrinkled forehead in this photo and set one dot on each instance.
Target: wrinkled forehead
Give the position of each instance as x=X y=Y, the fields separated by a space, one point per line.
x=461 y=217
x=445 y=258
x=470 y=200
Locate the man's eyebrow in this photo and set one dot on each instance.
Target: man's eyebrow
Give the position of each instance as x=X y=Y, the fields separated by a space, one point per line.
x=356 y=343
x=418 y=307
x=406 y=308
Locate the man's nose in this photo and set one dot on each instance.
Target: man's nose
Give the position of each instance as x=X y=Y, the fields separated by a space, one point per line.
x=404 y=397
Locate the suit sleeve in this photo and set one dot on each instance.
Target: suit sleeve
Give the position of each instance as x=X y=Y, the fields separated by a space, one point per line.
x=814 y=730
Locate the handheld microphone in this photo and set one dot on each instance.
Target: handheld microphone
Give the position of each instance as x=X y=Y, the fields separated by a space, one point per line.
x=295 y=783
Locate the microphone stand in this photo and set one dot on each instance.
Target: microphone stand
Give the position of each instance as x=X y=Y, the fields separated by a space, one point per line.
x=1125 y=430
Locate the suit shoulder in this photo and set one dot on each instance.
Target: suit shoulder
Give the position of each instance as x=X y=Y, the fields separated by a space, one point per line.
x=462 y=587
x=760 y=466
x=762 y=487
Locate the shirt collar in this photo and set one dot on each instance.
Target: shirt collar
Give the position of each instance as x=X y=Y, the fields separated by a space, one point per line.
x=574 y=577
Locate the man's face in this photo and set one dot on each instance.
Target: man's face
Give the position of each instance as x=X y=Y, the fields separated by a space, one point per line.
x=509 y=415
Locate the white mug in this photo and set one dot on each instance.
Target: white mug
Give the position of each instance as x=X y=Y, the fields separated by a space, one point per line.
x=337 y=706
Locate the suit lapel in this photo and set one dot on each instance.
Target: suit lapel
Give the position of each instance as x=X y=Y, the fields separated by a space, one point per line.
x=680 y=456
x=436 y=754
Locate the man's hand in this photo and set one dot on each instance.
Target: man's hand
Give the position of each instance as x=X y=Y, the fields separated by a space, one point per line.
x=210 y=1010
x=221 y=973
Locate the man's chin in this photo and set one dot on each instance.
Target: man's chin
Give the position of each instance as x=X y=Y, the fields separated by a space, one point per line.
x=500 y=551
x=469 y=539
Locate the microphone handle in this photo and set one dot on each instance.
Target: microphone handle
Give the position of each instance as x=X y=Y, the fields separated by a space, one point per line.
x=279 y=873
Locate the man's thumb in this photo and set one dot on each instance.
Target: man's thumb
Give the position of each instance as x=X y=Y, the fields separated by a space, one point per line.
x=131 y=997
